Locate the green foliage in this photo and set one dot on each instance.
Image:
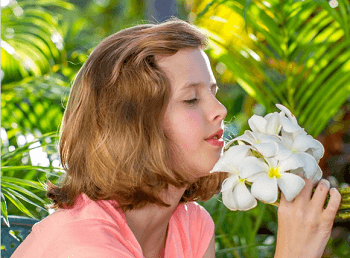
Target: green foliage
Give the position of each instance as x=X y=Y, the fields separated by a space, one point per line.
x=291 y=52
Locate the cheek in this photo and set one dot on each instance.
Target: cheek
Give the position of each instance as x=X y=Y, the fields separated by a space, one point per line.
x=190 y=129
x=184 y=128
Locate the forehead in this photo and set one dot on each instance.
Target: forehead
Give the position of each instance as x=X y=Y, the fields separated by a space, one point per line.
x=187 y=66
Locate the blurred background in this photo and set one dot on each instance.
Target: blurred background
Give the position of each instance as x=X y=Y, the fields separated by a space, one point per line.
x=292 y=52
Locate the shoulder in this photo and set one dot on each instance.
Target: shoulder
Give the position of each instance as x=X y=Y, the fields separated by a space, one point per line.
x=96 y=229
x=80 y=239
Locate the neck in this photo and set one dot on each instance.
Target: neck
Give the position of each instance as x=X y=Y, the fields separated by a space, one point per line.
x=149 y=224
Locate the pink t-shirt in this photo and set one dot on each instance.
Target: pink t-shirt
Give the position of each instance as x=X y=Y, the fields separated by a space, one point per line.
x=97 y=230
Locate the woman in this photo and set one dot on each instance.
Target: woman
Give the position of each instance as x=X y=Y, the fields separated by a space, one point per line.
x=134 y=143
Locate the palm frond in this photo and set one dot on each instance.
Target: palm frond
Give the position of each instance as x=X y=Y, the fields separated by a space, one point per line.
x=294 y=53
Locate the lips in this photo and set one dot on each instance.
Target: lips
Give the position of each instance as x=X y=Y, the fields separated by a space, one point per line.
x=219 y=142
x=218 y=134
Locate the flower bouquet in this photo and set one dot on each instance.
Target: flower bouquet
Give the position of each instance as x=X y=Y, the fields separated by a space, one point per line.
x=275 y=155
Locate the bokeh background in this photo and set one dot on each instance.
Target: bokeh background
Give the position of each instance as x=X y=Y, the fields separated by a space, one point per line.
x=292 y=52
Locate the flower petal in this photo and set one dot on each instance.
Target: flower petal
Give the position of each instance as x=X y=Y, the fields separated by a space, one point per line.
x=310 y=164
x=288 y=126
x=222 y=166
x=318 y=173
x=243 y=198
x=273 y=125
x=316 y=148
x=303 y=142
x=272 y=162
x=244 y=137
x=265 y=188
x=283 y=152
x=292 y=162
x=290 y=185
x=229 y=183
x=289 y=114
x=229 y=161
x=287 y=139
x=257 y=124
x=228 y=200
x=267 y=149
x=266 y=138
x=250 y=166
x=236 y=153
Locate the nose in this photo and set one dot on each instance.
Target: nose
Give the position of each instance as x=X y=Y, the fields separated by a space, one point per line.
x=217 y=111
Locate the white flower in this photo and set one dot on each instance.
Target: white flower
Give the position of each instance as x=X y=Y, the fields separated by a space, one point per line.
x=263 y=143
x=267 y=178
x=285 y=150
x=235 y=194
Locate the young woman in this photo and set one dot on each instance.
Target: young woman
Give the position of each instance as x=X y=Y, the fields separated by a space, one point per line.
x=134 y=144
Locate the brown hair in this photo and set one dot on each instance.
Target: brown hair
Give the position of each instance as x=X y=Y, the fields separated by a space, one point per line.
x=112 y=146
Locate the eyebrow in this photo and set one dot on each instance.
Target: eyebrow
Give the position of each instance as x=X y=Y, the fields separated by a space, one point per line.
x=196 y=85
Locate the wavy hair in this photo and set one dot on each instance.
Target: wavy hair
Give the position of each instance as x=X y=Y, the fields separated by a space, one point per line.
x=111 y=143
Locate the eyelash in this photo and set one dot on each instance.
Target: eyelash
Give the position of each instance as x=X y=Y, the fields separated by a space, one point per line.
x=195 y=100
x=191 y=101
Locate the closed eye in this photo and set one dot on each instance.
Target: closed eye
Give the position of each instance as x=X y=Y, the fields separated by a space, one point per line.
x=191 y=101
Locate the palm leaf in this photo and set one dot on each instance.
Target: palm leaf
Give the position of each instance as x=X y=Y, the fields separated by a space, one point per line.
x=31 y=40
x=304 y=43
x=4 y=210
x=16 y=202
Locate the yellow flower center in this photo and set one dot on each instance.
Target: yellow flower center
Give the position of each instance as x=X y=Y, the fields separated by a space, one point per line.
x=242 y=180
x=274 y=172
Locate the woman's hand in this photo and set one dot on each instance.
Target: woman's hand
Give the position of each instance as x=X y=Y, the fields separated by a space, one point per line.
x=304 y=226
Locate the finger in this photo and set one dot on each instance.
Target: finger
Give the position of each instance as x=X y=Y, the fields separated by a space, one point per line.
x=320 y=194
x=305 y=194
x=333 y=204
x=284 y=207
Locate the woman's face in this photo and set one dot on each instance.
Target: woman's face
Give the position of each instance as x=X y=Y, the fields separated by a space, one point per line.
x=193 y=113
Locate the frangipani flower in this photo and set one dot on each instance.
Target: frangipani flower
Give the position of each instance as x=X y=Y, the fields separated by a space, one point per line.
x=267 y=178
x=235 y=193
x=269 y=158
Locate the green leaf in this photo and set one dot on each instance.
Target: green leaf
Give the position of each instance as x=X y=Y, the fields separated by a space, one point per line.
x=25 y=199
x=4 y=210
x=17 y=203
x=24 y=182
x=22 y=190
